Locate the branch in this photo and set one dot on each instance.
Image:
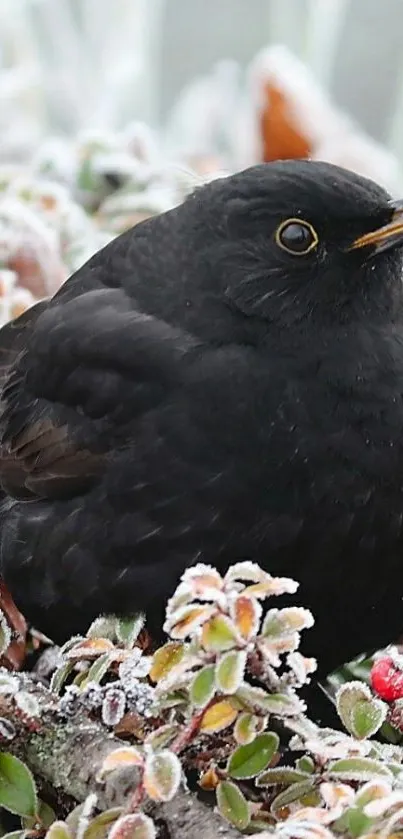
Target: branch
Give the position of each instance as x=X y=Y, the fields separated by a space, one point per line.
x=67 y=755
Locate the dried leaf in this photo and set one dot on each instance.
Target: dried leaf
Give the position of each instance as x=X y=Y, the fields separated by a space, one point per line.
x=165 y=659
x=218 y=716
x=126 y=756
x=209 y=780
x=202 y=688
x=133 y=826
x=162 y=775
x=15 y=652
x=246 y=613
x=233 y=805
x=17 y=786
x=219 y=634
x=247 y=761
x=283 y=137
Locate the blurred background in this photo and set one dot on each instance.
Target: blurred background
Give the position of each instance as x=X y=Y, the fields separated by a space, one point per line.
x=112 y=110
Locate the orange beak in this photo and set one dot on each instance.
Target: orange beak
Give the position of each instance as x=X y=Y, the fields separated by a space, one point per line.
x=388 y=236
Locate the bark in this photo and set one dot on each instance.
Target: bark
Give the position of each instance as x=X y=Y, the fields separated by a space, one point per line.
x=66 y=754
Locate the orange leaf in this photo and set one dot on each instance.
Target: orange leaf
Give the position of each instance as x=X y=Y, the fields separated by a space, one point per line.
x=246 y=615
x=282 y=137
x=218 y=716
x=126 y=756
x=209 y=780
x=90 y=648
x=165 y=659
x=189 y=618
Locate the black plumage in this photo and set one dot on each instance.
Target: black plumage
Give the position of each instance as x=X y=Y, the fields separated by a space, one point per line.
x=224 y=381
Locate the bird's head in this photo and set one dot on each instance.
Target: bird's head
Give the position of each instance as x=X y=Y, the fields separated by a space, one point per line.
x=296 y=240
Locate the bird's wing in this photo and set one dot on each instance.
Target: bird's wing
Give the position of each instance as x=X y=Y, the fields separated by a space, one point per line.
x=74 y=376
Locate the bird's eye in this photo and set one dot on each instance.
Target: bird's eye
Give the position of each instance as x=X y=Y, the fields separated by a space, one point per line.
x=297 y=237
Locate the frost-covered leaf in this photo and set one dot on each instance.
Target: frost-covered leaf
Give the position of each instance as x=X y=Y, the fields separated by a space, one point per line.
x=113 y=706
x=202 y=688
x=89 y=648
x=295 y=792
x=98 y=669
x=233 y=805
x=219 y=634
x=218 y=716
x=17 y=834
x=360 y=712
x=133 y=826
x=162 y=775
x=58 y=830
x=246 y=613
x=247 y=761
x=9 y=684
x=204 y=582
x=17 y=786
x=162 y=736
x=186 y=620
x=98 y=828
x=256 y=699
x=280 y=622
x=281 y=775
x=126 y=756
x=229 y=671
x=358 y=769
x=7 y=729
x=245 y=728
x=103 y=627
x=128 y=630
x=27 y=703
x=60 y=675
x=5 y=633
x=165 y=659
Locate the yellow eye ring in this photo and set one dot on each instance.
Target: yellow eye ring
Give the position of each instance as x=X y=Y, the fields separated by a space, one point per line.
x=296 y=236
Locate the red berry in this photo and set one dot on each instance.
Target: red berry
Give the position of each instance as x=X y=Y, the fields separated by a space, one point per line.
x=387 y=679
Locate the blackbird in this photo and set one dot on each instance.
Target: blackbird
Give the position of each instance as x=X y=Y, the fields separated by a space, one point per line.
x=222 y=382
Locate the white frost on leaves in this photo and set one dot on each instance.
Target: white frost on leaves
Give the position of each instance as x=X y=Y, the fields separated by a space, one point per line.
x=8 y=684
x=27 y=703
x=113 y=706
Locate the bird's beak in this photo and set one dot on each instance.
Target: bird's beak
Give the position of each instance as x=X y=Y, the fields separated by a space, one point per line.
x=388 y=236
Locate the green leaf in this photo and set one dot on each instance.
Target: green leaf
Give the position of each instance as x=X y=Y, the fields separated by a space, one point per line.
x=219 y=634
x=102 y=627
x=98 y=669
x=17 y=786
x=360 y=712
x=358 y=769
x=45 y=815
x=283 y=622
x=60 y=675
x=162 y=775
x=257 y=699
x=233 y=805
x=245 y=728
x=296 y=792
x=283 y=775
x=162 y=736
x=305 y=764
x=15 y=834
x=247 y=761
x=98 y=827
x=59 y=830
x=230 y=670
x=128 y=630
x=202 y=688
x=357 y=822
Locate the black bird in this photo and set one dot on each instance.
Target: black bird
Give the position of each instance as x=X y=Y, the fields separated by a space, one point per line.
x=224 y=381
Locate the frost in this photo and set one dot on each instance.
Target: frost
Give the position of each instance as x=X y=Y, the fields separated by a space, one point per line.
x=113 y=706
